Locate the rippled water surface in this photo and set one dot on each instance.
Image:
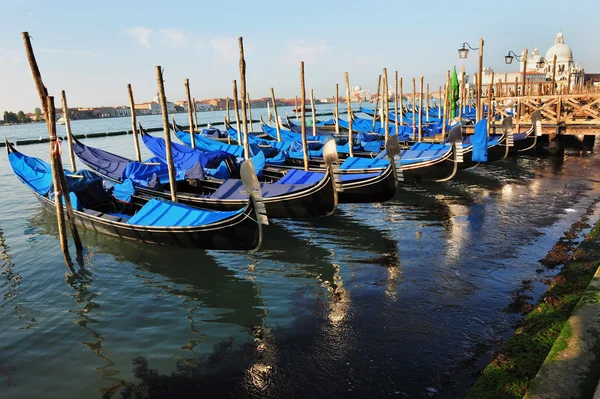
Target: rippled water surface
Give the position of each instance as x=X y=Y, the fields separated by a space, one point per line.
x=403 y=298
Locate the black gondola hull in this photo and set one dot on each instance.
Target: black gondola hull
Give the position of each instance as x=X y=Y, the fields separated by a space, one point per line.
x=317 y=200
x=241 y=232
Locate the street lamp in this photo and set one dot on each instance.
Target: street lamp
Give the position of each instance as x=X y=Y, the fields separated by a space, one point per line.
x=508 y=58
x=463 y=52
x=541 y=62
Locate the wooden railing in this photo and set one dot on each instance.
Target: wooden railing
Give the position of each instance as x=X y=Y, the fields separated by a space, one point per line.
x=567 y=109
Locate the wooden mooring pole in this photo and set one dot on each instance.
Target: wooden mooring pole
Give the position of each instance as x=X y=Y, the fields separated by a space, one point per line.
x=350 y=119
x=314 y=116
x=337 y=109
x=243 y=96
x=236 y=107
x=186 y=82
x=65 y=109
x=165 y=116
x=376 y=110
x=276 y=115
x=60 y=186
x=134 y=131
x=303 y=116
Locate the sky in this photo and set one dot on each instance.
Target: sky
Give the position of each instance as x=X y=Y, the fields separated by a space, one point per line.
x=92 y=50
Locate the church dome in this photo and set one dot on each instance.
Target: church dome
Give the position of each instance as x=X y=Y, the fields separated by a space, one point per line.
x=560 y=49
x=357 y=88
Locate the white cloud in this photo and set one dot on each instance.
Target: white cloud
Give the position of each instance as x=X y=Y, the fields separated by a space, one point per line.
x=303 y=50
x=141 y=34
x=226 y=48
x=173 y=37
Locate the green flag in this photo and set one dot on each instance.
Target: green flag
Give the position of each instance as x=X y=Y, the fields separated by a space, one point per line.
x=454 y=94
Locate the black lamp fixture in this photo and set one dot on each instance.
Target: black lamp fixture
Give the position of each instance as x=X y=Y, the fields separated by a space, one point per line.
x=541 y=62
x=463 y=52
x=508 y=58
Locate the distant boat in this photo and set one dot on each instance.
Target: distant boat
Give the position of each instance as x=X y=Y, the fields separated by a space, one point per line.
x=61 y=120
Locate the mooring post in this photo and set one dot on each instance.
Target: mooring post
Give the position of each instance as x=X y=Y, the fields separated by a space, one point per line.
x=186 y=82
x=60 y=186
x=195 y=115
x=276 y=115
x=386 y=105
x=236 y=107
x=136 y=142
x=314 y=116
x=376 y=110
x=427 y=103
x=401 y=99
x=250 y=120
x=350 y=118
x=396 y=103
x=303 y=116
x=165 y=116
x=421 y=109
x=65 y=109
x=414 y=96
x=337 y=109
x=244 y=97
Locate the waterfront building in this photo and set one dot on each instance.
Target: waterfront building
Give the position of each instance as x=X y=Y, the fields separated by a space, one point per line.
x=539 y=69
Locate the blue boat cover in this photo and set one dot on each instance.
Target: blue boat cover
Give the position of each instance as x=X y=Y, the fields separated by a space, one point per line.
x=261 y=143
x=233 y=189
x=299 y=176
x=120 y=168
x=480 y=142
x=364 y=163
x=124 y=191
x=157 y=213
x=33 y=172
x=204 y=144
x=185 y=157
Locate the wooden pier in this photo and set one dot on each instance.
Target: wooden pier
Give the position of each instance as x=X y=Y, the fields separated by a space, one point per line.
x=564 y=114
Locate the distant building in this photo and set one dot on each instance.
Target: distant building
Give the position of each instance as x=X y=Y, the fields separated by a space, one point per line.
x=592 y=79
x=360 y=95
x=567 y=70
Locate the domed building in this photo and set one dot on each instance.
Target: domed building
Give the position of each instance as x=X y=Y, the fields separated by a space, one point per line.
x=565 y=64
x=360 y=95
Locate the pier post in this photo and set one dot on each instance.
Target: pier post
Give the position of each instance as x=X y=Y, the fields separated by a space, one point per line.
x=65 y=109
x=186 y=82
x=350 y=119
x=236 y=108
x=276 y=115
x=376 y=110
x=303 y=115
x=134 y=131
x=243 y=96
x=165 y=117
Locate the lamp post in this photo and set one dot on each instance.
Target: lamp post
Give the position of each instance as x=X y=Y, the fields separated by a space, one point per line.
x=508 y=59
x=463 y=53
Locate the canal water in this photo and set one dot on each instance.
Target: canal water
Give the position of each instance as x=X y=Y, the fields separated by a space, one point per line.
x=407 y=298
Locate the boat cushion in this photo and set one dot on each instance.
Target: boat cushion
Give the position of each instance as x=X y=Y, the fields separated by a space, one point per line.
x=298 y=176
x=165 y=213
x=234 y=189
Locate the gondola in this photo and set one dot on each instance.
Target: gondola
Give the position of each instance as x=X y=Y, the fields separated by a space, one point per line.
x=374 y=184
x=142 y=219
x=420 y=162
x=289 y=198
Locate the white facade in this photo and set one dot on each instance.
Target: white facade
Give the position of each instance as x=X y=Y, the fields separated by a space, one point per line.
x=565 y=66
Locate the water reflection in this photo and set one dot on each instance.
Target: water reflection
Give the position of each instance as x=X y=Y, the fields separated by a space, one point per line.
x=12 y=278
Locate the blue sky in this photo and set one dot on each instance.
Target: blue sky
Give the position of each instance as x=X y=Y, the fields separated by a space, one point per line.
x=93 y=49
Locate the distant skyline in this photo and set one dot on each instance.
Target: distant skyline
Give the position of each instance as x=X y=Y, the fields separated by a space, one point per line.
x=93 y=51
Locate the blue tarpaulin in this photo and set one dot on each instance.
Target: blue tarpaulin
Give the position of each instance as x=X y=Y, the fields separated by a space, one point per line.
x=480 y=141
x=165 y=213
